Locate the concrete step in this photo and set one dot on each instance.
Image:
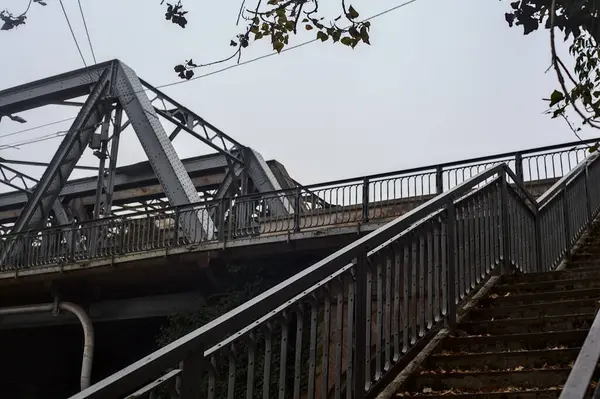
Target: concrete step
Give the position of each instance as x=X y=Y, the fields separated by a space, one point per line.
x=544 y=286
x=522 y=325
x=475 y=381
x=528 y=359
x=554 y=308
x=514 y=342
x=509 y=299
x=508 y=393
x=574 y=273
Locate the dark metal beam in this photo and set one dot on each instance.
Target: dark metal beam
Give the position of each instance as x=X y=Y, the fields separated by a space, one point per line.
x=50 y=90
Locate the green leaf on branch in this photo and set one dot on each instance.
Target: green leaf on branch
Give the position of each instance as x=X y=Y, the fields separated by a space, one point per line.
x=323 y=36
x=352 y=13
x=556 y=97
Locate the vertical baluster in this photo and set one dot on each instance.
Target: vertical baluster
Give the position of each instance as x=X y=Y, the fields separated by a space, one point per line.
x=368 y=322
x=350 y=340
x=414 y=298
x=326 y=341
x=312 y=353
x=251 y=345
x=429 y=275
x=212 y=378
x=283 y=355
x=232 y=364
x=396 y=319
x=268 y=331
x=460 y=238
x=422 y=275
x=405 y=277
x=445 y=255
x=379 y=318
x=339 y=338
x=362 y=375
x=388 y=308
x=298 y=350
x=436 y=295
x=451 y=272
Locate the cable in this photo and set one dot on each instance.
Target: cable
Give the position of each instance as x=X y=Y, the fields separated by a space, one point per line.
x=36 y=127
x=72 y=33
x=87 y=32
x=178 y=82
x=34 y=140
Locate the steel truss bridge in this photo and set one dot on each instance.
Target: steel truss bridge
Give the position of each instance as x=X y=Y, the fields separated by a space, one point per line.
x=167 y=205
x=490 y=212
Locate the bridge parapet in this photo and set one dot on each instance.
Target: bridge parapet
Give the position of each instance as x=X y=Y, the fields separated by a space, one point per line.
x=360 y=203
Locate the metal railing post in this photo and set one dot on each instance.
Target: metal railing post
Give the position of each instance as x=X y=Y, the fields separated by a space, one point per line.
x=439 y=180
x=566 y=217
x=538 y=241
x=221 y=221
x=297 y=209
x=191 y=375
x=365 y=204
x=176 y=225
x=505 y=224
x=519 y=166
x=360 y=354
x=588 y=200
x=451 y=256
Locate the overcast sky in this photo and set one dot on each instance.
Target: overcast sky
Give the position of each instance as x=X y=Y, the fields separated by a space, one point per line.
x=443 y=80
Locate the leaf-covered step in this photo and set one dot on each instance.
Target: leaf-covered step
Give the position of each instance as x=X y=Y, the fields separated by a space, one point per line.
x=554 y=308
x=514 y=342
x=574 y=273
x=510 y=299
x=526 y=359
x=489 y=380
x=529 y=324
x=506 y=393
x=544 y=286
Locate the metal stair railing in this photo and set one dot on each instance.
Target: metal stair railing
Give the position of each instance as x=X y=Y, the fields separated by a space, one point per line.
x=373 y=199
x=346 y=325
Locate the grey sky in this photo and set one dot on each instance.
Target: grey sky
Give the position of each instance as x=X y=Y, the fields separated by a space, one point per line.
x=442 y=80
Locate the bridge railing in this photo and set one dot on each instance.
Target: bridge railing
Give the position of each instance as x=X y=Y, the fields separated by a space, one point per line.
x=347 y=324
x=350 y=202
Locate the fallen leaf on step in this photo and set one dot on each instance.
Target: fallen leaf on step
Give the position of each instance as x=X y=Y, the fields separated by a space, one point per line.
x=427 y=390
x=494 y=296
x=519 y=368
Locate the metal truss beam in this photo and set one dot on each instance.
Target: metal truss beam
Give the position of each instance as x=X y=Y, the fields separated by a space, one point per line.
x=51 y=90
x=70 y=150
x=168 y=168
x=187 y=120
x=113 y=83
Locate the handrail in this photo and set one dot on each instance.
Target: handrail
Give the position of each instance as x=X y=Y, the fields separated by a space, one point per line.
x=563 y=181
x=268 y=301
x=430 y=168
x=585 y=365
x=430 y=226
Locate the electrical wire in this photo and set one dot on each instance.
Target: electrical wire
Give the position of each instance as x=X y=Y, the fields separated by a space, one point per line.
x=36 y=127
x=87 y=32
x=221 y=70
x=72 y=32
x=17 y=145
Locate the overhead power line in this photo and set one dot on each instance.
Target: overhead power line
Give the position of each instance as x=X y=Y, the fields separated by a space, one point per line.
x=87 y=32
x=221 y=70
x=72 y=33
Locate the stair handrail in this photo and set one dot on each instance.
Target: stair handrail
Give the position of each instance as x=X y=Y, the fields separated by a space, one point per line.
x=236 y=323
x=131 y=377
x=585 y=365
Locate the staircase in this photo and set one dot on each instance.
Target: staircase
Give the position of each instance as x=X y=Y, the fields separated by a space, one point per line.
x=521 y=340
x=357 y=323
